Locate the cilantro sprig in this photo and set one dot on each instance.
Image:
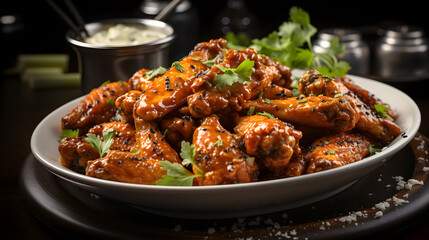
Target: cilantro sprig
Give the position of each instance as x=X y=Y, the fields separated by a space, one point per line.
x=155 y=72
x=241 y=74
x=102 y=146
x=291 y=45
x=177 y=175
x=69 y=133
x=382 y=111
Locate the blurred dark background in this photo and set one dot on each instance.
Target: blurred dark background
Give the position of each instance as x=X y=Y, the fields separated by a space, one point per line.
x=38 y=29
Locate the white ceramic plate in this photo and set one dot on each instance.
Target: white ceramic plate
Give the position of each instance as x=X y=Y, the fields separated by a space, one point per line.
x=235 y=200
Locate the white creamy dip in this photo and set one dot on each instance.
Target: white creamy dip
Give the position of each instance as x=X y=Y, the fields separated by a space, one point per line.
x=122 y=35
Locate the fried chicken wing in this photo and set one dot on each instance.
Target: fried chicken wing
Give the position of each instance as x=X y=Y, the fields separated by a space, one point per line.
x=219 y=156
x=125 y=104
x=177 y=129
x=97 y=107
x=139 y=81
x=75 y=152
x=330 y=152
x=370 y=123
x=269 y=140
x=336 y=114
x=126 y=167
x=210 y=99
x=136 y=167
x=169 y=91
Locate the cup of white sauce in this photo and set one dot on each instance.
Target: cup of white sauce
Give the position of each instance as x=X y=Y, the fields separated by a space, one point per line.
x=117 y=48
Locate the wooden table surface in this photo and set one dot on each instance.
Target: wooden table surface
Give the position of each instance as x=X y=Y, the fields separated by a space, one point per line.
x=23 y=108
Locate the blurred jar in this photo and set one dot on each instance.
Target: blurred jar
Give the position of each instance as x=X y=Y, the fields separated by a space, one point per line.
x=357 y=51
x=402 y=51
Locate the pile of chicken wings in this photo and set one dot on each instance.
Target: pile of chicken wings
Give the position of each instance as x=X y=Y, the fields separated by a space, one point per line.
x=249 y=131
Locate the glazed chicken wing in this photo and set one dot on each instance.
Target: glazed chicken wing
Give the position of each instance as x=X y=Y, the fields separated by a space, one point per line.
x=336 y=114
x=330 y=152
x=125 y=104
x=169 y=91
x=370 y=123
x=269 y=140
x=209 y=98
x=75 y=152
x=219 y=156
x=97 y=107
x=139 y=81
x=123 y=166
x=177 y=129
x=141 y=166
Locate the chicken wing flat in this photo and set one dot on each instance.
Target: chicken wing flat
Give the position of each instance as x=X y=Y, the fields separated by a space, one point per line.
x=128 y=167
x=75 y=152
x=335 y=114
x=209 y=98
x=169 y=91
x=97 y=107
x=381 y=129
x=269 y=140
x=330 y=152
x=219 y=156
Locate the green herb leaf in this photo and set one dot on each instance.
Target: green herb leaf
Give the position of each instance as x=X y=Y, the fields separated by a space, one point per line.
x=69 y=133
x=382 y=111
x=176 y=175
x=250 y=111
x=187 y=153
x=196 y=58
x=332 y=152
x=111 y=102
x=218 y=143
x=177 y=66
x=265 y=114
x=95 y=141
x=155 y=72
x=373 y=150
x=304 y=100
x=135 y=150
x=295 y=92
x=210 y=63
x=241 y=74
x=237 y=41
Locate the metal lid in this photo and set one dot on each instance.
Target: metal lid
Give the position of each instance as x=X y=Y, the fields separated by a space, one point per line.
x=404 y=31
x=344 y=34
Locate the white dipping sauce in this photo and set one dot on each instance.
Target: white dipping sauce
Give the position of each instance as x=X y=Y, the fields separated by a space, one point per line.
x=122 y=35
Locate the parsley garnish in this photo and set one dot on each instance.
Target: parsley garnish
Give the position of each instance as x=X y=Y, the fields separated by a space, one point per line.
x=241 y=74
x=250 y=111
x=291 y=45
x=69 y=133
x=218 y=143
x=196 y=58
x=382 y=111
x=155 y=72
x=373 y=150
x=177 y=175
x=332 y=152
x=102 y=147
x=177 y=66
